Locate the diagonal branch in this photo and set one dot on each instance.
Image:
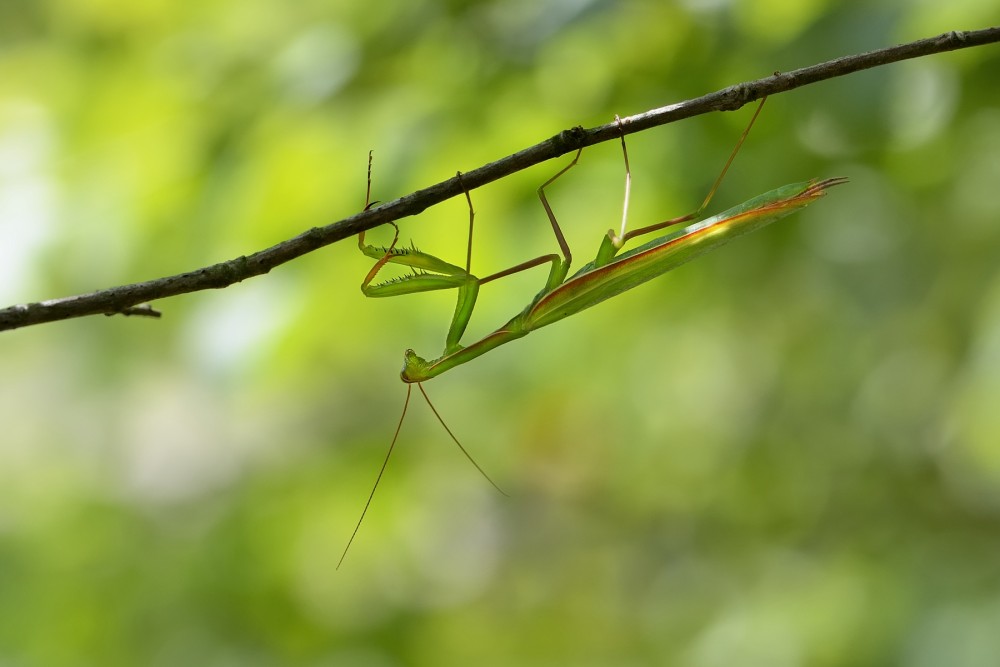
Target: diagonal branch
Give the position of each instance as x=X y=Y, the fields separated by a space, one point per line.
x=127 y=299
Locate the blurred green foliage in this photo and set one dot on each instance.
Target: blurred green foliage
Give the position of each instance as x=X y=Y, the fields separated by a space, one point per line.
x=786 y=453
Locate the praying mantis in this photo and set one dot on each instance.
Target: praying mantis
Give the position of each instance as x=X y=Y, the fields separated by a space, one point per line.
x=608 y=275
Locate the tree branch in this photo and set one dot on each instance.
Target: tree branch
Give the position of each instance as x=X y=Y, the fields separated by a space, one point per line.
x=129 y=299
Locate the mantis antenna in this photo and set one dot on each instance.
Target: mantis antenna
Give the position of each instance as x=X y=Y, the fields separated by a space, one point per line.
x=392 y=445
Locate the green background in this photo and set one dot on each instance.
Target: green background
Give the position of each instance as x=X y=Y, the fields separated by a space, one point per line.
x=786 y=453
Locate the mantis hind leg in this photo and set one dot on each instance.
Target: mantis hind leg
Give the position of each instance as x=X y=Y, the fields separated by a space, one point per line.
x=614 y=242
x=625 y=236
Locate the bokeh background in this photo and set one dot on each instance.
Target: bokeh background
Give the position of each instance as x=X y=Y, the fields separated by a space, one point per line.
x=786 y=453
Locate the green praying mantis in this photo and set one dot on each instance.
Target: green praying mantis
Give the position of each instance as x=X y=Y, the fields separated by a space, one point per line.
x=609 y=274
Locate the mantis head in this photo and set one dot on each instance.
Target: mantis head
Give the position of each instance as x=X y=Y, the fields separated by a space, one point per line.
x=414 y=368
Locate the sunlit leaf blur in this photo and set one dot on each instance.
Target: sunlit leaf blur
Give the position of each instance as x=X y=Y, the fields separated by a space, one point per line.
x=785 y=453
